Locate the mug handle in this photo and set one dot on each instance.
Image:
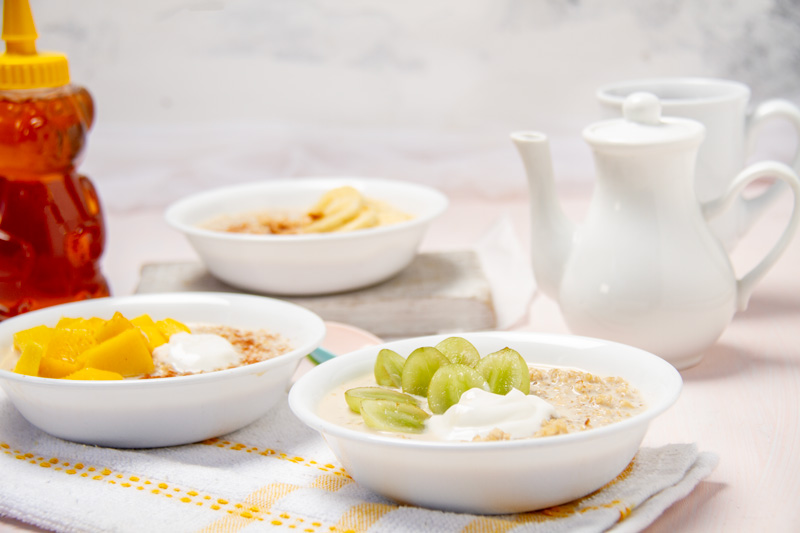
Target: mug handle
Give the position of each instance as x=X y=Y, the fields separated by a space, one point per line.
x=765 y=111
x=763 y=169
x=771 y=109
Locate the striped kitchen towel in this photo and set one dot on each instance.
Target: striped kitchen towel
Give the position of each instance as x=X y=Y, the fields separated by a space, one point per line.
x=278 y=475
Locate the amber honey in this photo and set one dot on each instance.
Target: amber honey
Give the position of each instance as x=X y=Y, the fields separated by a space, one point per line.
x=51 y=224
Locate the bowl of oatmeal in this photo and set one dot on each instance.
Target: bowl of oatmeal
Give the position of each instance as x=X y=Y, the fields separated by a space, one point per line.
x=307 y=236
x=487 y=422
x=153 y=370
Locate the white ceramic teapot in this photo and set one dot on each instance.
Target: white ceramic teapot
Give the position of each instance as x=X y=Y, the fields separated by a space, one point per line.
x=644 y=269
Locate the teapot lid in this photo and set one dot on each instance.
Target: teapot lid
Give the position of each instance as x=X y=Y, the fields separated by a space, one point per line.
x=643 y=125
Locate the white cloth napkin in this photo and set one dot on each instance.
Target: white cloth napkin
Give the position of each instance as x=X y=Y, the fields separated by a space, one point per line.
x=277 y=474
x=508 y=269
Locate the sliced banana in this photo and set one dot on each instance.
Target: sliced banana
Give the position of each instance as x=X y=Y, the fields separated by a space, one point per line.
x=345 y=209
x=366 y=218
x=335 y=208
x=387 y=214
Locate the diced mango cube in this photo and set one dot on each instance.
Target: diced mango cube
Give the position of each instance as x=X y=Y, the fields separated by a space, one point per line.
x=127 y=354
x=28 y=362
x=154 y=337
x=93 y=348
x=89 y=324
x=95 y=323
x=51 y=367
x=94 y=374
x=169 y=326
x=40 y=335
x=68 y=343
x=66 y=322
x=116 y=325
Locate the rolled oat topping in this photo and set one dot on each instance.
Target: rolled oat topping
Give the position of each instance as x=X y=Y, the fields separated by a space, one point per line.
x=583 y=400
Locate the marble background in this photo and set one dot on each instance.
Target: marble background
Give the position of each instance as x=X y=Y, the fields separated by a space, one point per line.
x=192 y=94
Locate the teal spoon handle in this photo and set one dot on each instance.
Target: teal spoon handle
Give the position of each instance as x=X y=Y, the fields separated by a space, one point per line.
x=320 y=355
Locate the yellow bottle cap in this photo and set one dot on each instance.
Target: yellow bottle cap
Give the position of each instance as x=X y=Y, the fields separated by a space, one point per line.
x=21 y=66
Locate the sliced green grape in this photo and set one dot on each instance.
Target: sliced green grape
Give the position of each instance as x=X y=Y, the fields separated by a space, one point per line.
x=449 y=383
x=419 y=368
x=385 y=415
x=459 y=350
x=355 y=396
x=505 y=369
x=389 y=368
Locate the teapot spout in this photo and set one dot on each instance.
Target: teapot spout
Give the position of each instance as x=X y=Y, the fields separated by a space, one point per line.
x=551 y=231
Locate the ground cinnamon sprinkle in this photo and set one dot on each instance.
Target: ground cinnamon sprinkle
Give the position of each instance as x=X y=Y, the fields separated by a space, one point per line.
x=255 y=345
x=258 y=223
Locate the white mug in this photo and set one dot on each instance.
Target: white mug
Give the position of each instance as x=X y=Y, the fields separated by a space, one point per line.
x=722 y=107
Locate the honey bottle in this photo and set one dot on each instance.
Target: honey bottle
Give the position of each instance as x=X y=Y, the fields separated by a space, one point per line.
x=52 y=232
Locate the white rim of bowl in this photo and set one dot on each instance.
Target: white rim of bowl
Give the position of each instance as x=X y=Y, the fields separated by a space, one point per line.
x=173 y=218
x=310 y=418
x=261 y=366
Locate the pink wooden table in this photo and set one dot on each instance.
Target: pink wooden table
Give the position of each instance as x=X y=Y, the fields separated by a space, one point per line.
x=742 y=401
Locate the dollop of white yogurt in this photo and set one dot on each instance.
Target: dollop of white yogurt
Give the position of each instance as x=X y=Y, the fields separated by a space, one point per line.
x=202 y=352
x=478 y=412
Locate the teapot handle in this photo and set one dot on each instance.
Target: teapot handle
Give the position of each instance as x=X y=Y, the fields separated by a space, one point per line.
x=764 y=169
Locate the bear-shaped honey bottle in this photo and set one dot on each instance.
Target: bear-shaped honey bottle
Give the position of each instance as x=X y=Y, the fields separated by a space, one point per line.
x=51 y=224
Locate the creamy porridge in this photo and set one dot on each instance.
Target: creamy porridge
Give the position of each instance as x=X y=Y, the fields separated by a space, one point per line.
x=137 y=348
x=340 y=209
x=583 y=400
x=568 y=401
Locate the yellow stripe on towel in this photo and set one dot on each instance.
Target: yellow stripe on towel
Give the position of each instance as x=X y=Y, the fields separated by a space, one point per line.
x=234 y=515
x=260 y=502
x=581 y=505
x=268 y=452
x=362 y=516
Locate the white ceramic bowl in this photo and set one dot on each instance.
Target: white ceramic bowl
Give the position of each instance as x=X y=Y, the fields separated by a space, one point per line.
x=494 y=477
x=311 y=263
x=165 y=411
